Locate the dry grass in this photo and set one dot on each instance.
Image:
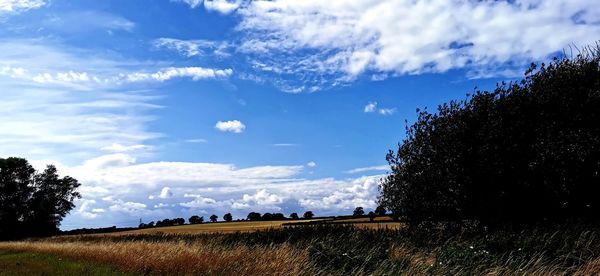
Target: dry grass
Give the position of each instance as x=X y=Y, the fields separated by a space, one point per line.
x=176 y=258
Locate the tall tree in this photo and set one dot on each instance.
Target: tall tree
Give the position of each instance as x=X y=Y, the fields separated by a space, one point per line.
x=228 y=217
x=214 y=218
x=33 y=204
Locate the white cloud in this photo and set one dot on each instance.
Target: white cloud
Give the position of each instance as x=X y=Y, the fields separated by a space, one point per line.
x=332 y=42
x=115 y=147
x=262 y=197
x=311 y=164
x=363 y=192
x=192 y=3
x=370 y=107
x=222 y=6
x=132 y=208
x=285 y=145
x=386 y=111
x=234 y=126
x=8 y=6
x=165 y=193
x=195 y=73
x=372 y=168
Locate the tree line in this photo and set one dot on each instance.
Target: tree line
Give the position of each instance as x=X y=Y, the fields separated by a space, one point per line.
x=525 y=153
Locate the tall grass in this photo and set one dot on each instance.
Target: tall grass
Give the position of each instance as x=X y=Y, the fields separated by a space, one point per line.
x=338 y=250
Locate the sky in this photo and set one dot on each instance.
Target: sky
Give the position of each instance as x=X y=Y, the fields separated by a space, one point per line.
x=165 y=109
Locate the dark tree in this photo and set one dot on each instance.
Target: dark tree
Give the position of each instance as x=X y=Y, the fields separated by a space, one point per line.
x=380 y=210
x=372 y=216
x=214 y=218
x=308 y=215
x=267 y=216
x=228 y=217
x=278 y=216
x=33 y=204
x=196 y=219
x=527 y=152
x=254 y=216
x=179 y=221
x=294 y=216
x=359 y=211
x=151 y=224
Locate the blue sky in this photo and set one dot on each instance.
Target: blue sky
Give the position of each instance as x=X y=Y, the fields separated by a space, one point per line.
x=171 y=108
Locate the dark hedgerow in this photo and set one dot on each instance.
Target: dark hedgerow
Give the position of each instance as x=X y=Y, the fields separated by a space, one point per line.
x=526 y=153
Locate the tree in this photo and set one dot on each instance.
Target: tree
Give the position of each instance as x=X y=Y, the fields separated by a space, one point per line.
x=196 y=219
x=214 y=218
x=254 y=216
x=179 y=221
x=32 y=203
x=372 y=216
x=267 y=216
x=308 y=215
x=278 y=216
x=527 y=152
x=359 y=211
x=294 y=216
x=227 y=217
x=380 y=210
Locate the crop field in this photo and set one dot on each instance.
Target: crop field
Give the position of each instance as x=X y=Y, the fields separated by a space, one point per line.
x=322 y=249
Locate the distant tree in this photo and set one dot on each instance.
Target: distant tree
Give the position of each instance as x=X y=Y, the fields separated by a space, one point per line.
x=151 y=224
x=380 y=210
x=179 y=221
x=31 y=203
x=278 y=216
x=372 y=216
x=359 y=211
x=196 y=219
x=214 y=218
x=267 y=216
x=228 y=217
x=294 y=216
x=254 y=216
x=143 y=225
x=308 y=215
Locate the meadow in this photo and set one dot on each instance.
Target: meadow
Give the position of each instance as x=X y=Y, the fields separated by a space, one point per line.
x=332 y=249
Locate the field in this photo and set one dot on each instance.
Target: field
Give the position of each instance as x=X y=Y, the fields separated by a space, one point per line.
x=249 y=226
x=321 y=249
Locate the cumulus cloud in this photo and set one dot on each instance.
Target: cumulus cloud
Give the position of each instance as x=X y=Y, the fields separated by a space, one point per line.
x=363 y=192
x=234 y=126
x=195 y=73
x=311 y=164
x=222 y=6
x=370 y=107
x=165 y=193
x=10 y=6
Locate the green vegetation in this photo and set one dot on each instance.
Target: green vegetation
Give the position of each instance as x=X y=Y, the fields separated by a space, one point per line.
x=26 y=263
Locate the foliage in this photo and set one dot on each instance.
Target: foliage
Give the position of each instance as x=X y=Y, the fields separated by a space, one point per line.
x=228 y=217
x=308 y=215
x=380 y=210
x=196 y=219
x=526 y=153
x=254 y=216
x=213 y=218
x=294 y=216
x=359 y=211
x=33 y=203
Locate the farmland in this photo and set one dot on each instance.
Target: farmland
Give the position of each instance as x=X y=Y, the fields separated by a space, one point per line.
x=326 y=249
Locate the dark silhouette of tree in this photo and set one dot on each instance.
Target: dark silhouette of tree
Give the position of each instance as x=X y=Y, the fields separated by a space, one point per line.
x=527 y=152
x=254 y=216
x=196 y=219
x=359 y=211
x=31 y=203
x=179 y=221
x=151 y=224
x=278 y=216
x=294 y=216
x=228 y=217
x=267 y=216
x=380 y=210
x=213 y=218
x=372 y=216
x=308 y=215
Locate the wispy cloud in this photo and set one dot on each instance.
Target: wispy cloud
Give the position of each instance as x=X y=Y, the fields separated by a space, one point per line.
x=192 y=48
x=222 y=6
x=369 y=169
